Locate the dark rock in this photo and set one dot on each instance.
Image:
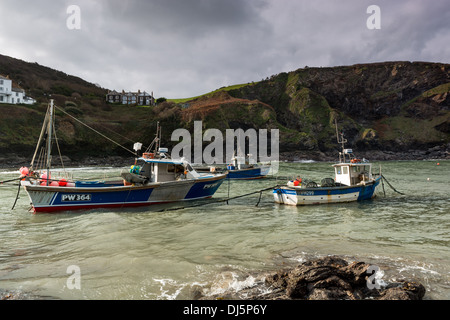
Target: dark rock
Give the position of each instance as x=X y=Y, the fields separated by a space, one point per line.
x=330 y=278
x=328 y=294
x=356 y=273
x=404 y=291
x=333 y=281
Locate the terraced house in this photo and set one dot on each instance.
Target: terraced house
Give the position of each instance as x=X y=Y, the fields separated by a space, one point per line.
x=13 y=94
x=138 y=98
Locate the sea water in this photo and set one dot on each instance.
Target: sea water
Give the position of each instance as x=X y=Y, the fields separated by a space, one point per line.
x=220 y=247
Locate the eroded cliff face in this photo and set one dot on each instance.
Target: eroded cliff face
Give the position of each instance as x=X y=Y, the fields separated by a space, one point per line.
x=382 y=106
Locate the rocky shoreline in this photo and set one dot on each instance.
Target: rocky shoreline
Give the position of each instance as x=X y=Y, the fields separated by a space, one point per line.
x=328 y=278
x=13 y=161
x=433 y=153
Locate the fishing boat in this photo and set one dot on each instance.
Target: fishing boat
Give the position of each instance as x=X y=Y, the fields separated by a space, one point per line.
x=246 y=168
x=154 y=178
x=353 y=181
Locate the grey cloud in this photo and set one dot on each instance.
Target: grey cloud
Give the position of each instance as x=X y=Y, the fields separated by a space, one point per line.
x=181 y=48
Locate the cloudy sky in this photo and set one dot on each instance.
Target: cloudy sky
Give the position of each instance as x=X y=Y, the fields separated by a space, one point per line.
x=183 y=48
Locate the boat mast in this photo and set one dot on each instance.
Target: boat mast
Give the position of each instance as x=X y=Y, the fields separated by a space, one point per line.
x=340 y=140
x=44 y=125
x=49 y=139
x=158 y=138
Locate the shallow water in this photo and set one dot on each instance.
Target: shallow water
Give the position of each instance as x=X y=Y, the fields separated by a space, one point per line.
x=149 y=254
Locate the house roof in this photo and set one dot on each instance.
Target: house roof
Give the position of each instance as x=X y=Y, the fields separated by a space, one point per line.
x=129 y=93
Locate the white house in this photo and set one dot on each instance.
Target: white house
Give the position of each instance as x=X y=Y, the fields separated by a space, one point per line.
x=12 y=95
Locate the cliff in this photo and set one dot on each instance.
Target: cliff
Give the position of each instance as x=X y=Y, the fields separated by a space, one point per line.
x=391 y=106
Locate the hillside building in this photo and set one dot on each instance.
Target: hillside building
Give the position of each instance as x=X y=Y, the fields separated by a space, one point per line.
x=12 y=94
x=138 y=98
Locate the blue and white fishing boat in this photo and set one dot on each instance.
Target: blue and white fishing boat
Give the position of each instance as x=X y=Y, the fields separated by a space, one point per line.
x=154 y=178
x=245 y=168
x=353 y=181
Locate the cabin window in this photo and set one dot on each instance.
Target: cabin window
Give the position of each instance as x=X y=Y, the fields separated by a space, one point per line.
x=345 y=170
x=175 y=168
x=356 y=169
x=338 y=170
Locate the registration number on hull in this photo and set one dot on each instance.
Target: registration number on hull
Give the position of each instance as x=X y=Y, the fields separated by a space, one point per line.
x=75 y=197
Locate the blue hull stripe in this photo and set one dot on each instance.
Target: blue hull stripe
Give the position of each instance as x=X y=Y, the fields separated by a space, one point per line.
x=248 y=173
x=203 y=190
x=63 y=198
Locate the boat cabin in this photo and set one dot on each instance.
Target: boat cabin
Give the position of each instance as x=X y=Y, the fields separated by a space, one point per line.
x=239 y=162
x=351 y=171
x=163 y=170
x=159 y=167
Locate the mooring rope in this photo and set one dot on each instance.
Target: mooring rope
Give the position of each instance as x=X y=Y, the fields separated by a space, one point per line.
x=391 y=186
x=11 y=180
x=17 y=197
x=221 y=200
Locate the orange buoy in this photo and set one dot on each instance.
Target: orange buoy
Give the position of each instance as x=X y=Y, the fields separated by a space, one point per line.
x=24 y=171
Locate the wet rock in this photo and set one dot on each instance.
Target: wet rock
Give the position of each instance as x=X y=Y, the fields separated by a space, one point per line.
x=403 y=291
x=332 y=278
x=329 y=278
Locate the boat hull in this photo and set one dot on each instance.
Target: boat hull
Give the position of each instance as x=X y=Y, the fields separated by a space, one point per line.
x=85 y=197
x=297 y=196
x=249 y=174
